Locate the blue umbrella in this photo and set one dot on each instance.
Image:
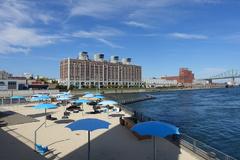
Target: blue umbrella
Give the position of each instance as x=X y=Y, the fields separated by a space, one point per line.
x=63 y=98
x=17 y=97
x=45 y=106
x=40 y=97
x=107 y=102
x=89 y=124
x=99 y=96
x=89 y=95
x=34 y=99
x=44 y=97
x=82 y=101
x=155 y=129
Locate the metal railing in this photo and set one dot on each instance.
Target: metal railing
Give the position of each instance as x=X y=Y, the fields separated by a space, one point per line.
x=10 y=101
x=199 y=148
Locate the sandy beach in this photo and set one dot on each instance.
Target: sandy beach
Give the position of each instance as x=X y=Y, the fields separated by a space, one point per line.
x=115 y=143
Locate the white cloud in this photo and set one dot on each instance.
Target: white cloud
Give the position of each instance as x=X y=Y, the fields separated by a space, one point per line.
x=15 y=39
x=17 y=36
x=14 y=12
x=137 y=24
x=109 y=43
x=100 y=34
x=188 y=36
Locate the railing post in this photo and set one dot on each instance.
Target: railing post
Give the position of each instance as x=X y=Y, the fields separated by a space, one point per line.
x=194 y=145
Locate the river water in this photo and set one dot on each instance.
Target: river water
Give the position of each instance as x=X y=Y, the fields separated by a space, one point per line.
x=211 y=116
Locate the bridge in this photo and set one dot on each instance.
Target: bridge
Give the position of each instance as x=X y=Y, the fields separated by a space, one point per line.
x=231 y=74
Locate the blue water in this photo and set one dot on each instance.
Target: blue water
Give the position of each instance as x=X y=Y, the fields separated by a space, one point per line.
x=211 y=116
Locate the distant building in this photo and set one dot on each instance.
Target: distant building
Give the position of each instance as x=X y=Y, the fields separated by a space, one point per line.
x=13 y=83
x=99 y=72
x=4 y=75
x=28 y=75
x=36 y=84
x=158 y=82
x=185 y=76
x=10 y=82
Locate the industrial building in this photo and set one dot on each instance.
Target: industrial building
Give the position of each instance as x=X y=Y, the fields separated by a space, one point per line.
x=84 y=72
x=185 y=76
x=158 y=82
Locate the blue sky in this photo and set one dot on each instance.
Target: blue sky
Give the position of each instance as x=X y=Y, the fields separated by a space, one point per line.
x=160 y=35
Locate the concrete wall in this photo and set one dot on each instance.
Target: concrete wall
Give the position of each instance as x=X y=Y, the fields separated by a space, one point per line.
x=25 y=92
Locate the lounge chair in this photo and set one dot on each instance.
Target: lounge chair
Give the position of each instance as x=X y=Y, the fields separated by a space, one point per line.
x=3 y=123
x=49 y=117
x=66 y=113
x=75 y=111
x=64 y=117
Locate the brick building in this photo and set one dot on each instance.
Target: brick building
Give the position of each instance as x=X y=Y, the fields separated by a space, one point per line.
x=98 y=72
x=185 y=76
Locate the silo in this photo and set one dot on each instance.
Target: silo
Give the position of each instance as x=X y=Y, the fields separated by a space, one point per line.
x=83 y=56
x=126 y=60
x=114 y=59
x=99 y=57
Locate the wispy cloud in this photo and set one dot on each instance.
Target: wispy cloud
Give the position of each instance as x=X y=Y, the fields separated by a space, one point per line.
x=178 y=35
x=100 y=34
x=15 y=39
x=18 y=29
x=137 y=24
x=109 y=43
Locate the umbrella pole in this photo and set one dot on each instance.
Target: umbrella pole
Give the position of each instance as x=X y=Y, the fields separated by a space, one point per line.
x=154 y=148
x=45 y=117
x=88 y=145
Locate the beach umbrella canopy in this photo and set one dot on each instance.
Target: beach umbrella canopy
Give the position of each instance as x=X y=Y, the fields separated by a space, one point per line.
x=39 y=97
x=44 y=97
x=45 y=106
x=63 y=98
x=89 y=95
x=99 y=96
x=155 y=129
x=89 y=124
x=17 y=97
x=107 y=102
x=82 y=101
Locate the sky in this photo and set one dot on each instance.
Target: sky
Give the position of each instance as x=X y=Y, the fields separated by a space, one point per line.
x=159 y=35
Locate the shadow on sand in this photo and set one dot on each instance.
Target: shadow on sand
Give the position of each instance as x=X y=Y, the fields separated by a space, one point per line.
x=14 y=118
x=119 y=143
x=12 y=149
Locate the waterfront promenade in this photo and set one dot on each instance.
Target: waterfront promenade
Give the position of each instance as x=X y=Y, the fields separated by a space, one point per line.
x=116 y=143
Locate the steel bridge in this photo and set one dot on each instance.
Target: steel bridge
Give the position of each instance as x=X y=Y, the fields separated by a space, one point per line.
x=230 y=74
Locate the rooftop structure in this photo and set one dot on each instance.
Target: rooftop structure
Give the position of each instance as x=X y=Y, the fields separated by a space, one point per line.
x=83 y=72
